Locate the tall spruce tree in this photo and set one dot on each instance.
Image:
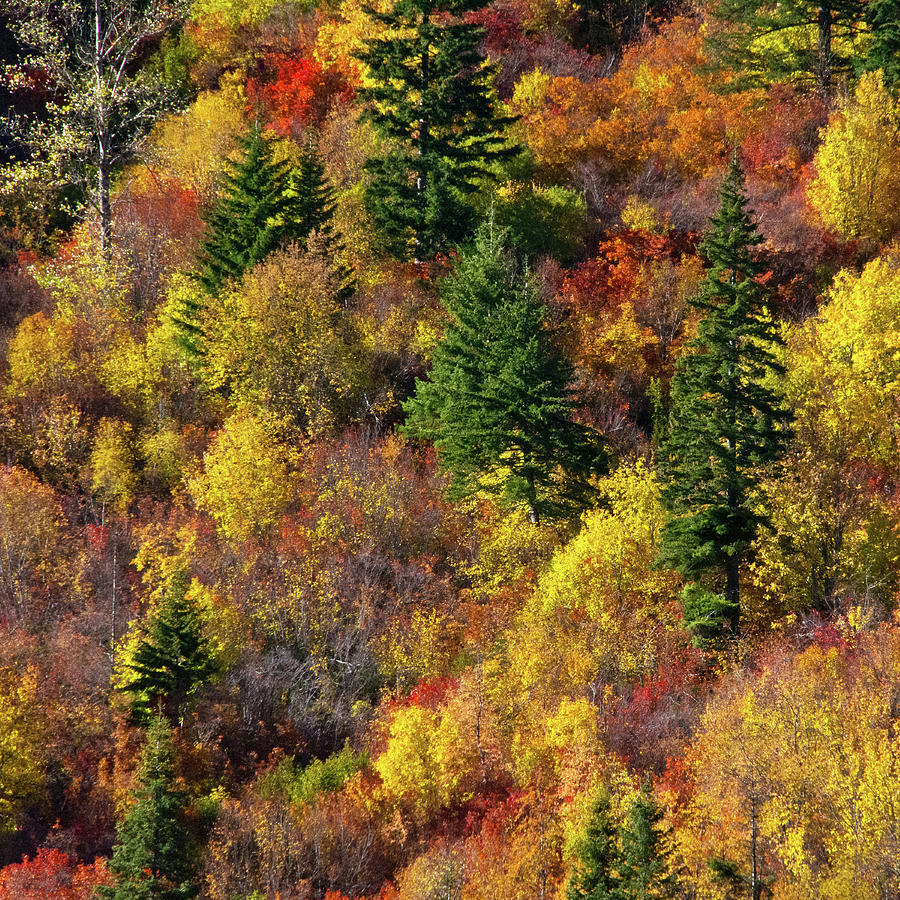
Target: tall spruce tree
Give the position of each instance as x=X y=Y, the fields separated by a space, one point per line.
x=152 y=856
x=431 y=100
x=597 y=874
x=726 y=420
x=172 y=657
x=646 y=852
x=253 y=215
x=313 y=207
x=496 y=403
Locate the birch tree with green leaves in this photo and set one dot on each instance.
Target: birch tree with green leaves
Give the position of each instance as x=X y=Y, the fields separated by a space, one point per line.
x=85 y=57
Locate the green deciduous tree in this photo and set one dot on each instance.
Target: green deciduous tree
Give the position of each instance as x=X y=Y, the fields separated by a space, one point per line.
x=430 y=98
x=171 y=656
x=726 y=420
x=496 y=403
x=86 y=55
x=152 y=856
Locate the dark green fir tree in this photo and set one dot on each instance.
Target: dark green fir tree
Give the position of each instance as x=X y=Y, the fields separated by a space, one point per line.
x=883 y=18
x=727 y=421
x=597 y=874
x=252 y=216
x=431 y=100
x=172 y=658
x=497 y=403
x=646 y=852
x=152 y=856
x=313 y=207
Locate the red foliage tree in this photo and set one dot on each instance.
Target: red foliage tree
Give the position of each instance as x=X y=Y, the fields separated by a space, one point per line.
x=297 y=93
x=52 y=875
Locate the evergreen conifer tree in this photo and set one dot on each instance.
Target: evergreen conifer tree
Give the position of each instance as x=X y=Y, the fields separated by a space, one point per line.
x=883 y=17
x=172 y=658
x=151 y=859
x=646 y=852
x=252 y=216
x=313 y=206
x=496 y=403
x=265 y=204
x=597 y=873
x=726 y=420
x=314 y=202
x=431 y=100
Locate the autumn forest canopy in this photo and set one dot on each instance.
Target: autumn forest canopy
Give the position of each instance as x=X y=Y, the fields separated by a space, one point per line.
x=450 y=451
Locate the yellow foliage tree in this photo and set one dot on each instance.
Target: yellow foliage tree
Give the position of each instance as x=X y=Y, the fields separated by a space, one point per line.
x=606 y=573
x=21 y=743
x=281 y=341
x=795 y=770
x=831 y=535
x=247 y=480
x=856 y=189
x=113 y=477
x=192 y=146
x=30 y=520
x=427 y=764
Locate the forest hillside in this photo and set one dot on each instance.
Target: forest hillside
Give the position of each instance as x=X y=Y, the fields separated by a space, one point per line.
x=450 y=451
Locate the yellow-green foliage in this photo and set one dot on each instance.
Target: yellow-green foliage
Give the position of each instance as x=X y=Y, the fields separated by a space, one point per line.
x=428 y=763
x=856 y=190
x=341 y=38
x=828 y=534
x=193 y=145
x=281 y=342
x=511 y=551
x=233 y=12
x=113 y=477
x=531 y=91
x=41 y=356
x=246 y=481
x=607 y=573
x=637 y=214
x=844 y=367
x=419 y=646
x=21 y=746
x=810 y=747
x=86 y=279
x=165 y=456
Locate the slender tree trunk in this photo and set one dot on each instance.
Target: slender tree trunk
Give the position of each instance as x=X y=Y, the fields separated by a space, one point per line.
x=823 y=74
x=101 y=117
x=424 y=129
x=755 y=886
x=104 y=203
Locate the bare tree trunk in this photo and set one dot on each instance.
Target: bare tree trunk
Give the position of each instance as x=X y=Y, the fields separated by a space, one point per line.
x=823 y=73
x=104 y=203
x=755 y=886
